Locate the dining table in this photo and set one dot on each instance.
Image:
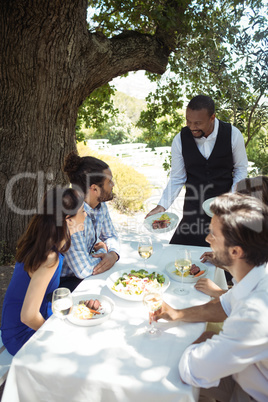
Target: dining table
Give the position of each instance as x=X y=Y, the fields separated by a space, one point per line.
x=116 y=360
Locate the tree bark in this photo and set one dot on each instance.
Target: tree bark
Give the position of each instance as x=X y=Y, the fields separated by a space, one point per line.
x=49 y=64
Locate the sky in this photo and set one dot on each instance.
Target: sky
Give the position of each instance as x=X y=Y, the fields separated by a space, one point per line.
x=136 y=84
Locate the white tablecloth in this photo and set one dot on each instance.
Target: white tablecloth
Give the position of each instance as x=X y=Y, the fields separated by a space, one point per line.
x=114 y=361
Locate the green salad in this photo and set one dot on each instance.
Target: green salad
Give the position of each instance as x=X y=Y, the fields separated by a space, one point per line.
x=137 y=282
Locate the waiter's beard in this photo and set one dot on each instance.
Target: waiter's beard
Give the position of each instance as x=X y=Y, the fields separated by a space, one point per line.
x=199 y=136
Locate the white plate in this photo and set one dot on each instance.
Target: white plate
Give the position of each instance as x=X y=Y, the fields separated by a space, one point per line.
x=173 y=222
x=113 y=278
x=206 y=206
x=107 y=306
x=170 y=268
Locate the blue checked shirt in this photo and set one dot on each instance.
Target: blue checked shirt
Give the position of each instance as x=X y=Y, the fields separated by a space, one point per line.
x=78 y=260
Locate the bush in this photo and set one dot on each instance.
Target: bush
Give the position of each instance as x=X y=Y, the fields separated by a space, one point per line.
x=131 y=188
x=257 y=152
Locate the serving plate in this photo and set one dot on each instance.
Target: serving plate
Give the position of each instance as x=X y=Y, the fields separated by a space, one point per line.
x=206 y=206
x=134 y=297
x=107 y=306
x=170 y=268
x=173 y=222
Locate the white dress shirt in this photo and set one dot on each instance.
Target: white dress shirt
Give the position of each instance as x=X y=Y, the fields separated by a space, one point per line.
x=205 y=145
x=241 y=348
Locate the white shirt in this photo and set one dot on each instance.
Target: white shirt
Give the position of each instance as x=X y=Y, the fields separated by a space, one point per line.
x=205 y=145
x=241 y=349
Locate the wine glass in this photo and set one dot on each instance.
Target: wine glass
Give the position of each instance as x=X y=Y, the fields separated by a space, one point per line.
x=145 y=248
x=62 y=302
x=183 y=263
x=153 y=302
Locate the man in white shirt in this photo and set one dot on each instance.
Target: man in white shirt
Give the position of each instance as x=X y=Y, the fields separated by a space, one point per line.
x=233 y=365
x=208 y=156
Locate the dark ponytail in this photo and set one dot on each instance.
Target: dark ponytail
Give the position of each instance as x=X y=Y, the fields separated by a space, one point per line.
x=84 y=171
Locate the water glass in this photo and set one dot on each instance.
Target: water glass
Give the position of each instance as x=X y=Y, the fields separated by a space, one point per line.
x=62 y=302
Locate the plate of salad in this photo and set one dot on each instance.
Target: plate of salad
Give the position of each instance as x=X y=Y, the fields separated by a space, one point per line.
x=132 y=284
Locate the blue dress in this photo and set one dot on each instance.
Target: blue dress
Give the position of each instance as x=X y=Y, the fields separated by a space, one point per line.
x=14 y=332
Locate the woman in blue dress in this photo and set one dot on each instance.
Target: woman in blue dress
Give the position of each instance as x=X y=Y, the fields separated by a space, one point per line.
x=39 y=261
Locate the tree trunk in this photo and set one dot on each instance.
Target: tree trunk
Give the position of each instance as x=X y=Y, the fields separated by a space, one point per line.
x=49 y=64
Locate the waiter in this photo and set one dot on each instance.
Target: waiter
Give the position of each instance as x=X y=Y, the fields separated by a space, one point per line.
x=209 y=157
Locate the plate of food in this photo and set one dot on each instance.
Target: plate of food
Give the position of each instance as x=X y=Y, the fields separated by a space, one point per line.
x=90 y=309
x=161 y=223
x=206 y=206
x=197 y=271
x=132 y=284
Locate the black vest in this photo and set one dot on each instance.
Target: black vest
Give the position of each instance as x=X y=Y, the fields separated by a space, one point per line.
x=205 y=179
x=208 y=177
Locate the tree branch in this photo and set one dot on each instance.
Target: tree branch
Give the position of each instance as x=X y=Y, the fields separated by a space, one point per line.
x=132 y=50
x=141 y=51
x=107 y=58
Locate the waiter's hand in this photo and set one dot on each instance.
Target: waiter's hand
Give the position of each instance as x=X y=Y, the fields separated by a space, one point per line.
x=107 y=261
x=156 y=210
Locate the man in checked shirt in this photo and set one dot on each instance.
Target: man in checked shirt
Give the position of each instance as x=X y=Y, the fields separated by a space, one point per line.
x=88 y=256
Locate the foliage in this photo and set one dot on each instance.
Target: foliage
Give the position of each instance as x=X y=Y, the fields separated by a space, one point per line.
x=129 y=105
x=113 y=16
x=257 y=152
x=163 y=116
x=131 y=188
x=167 y=164
x=118 y=126
x=117 y=129
x=226 y=59
x=156 y=137
x=220 y=51
x=100 y=99
x=96 y=110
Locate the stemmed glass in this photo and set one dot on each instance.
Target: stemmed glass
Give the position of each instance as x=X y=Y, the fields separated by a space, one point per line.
x=153 y=302
x=183 y=263
x=62 y=302
x=145 y=248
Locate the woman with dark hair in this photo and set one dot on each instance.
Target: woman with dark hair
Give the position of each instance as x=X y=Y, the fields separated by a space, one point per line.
x=39 y=262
